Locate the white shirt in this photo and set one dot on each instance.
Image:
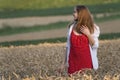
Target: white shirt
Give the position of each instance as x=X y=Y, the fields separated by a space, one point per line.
x=93 y=49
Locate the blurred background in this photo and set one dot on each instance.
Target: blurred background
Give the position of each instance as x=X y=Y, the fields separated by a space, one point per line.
x=36 y=21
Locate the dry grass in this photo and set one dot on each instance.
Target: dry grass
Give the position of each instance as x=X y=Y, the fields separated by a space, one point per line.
x=40 y=62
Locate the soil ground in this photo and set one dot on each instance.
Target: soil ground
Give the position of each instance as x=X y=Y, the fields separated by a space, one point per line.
x=111 y=26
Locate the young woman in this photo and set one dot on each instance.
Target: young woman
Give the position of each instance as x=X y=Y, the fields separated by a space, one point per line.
x=82 y=42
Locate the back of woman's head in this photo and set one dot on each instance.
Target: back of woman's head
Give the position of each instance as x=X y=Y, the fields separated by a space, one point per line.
x=84 y=18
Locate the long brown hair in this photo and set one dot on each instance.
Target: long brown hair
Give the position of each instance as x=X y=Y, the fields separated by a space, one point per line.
x=84 y=18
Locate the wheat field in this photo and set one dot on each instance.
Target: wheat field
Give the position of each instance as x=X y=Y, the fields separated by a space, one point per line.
x=41 y=62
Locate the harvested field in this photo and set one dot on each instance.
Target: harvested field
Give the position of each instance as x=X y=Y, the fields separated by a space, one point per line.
x=41 y=62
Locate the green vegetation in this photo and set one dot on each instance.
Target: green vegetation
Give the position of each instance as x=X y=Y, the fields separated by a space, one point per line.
x=95 y=9
x=8 y=30
x=55 y=40
x=35 y=42
x=43 y=4
x=107 y=18
x=109 y=36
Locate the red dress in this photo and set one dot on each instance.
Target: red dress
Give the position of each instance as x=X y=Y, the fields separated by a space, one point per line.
x=79 y=57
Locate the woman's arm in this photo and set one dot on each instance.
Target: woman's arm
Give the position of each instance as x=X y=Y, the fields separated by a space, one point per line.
x=91 y=40
x=63 y=65
x=85 y=30
x=65 y=57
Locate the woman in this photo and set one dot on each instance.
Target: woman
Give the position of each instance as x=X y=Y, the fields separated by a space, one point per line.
x=82 y=42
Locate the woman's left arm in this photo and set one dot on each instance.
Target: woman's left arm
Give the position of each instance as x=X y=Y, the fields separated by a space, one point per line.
x=91 y=40
x=85 y=30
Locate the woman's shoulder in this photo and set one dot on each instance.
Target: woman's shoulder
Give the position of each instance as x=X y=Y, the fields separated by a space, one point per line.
x=71 y=24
